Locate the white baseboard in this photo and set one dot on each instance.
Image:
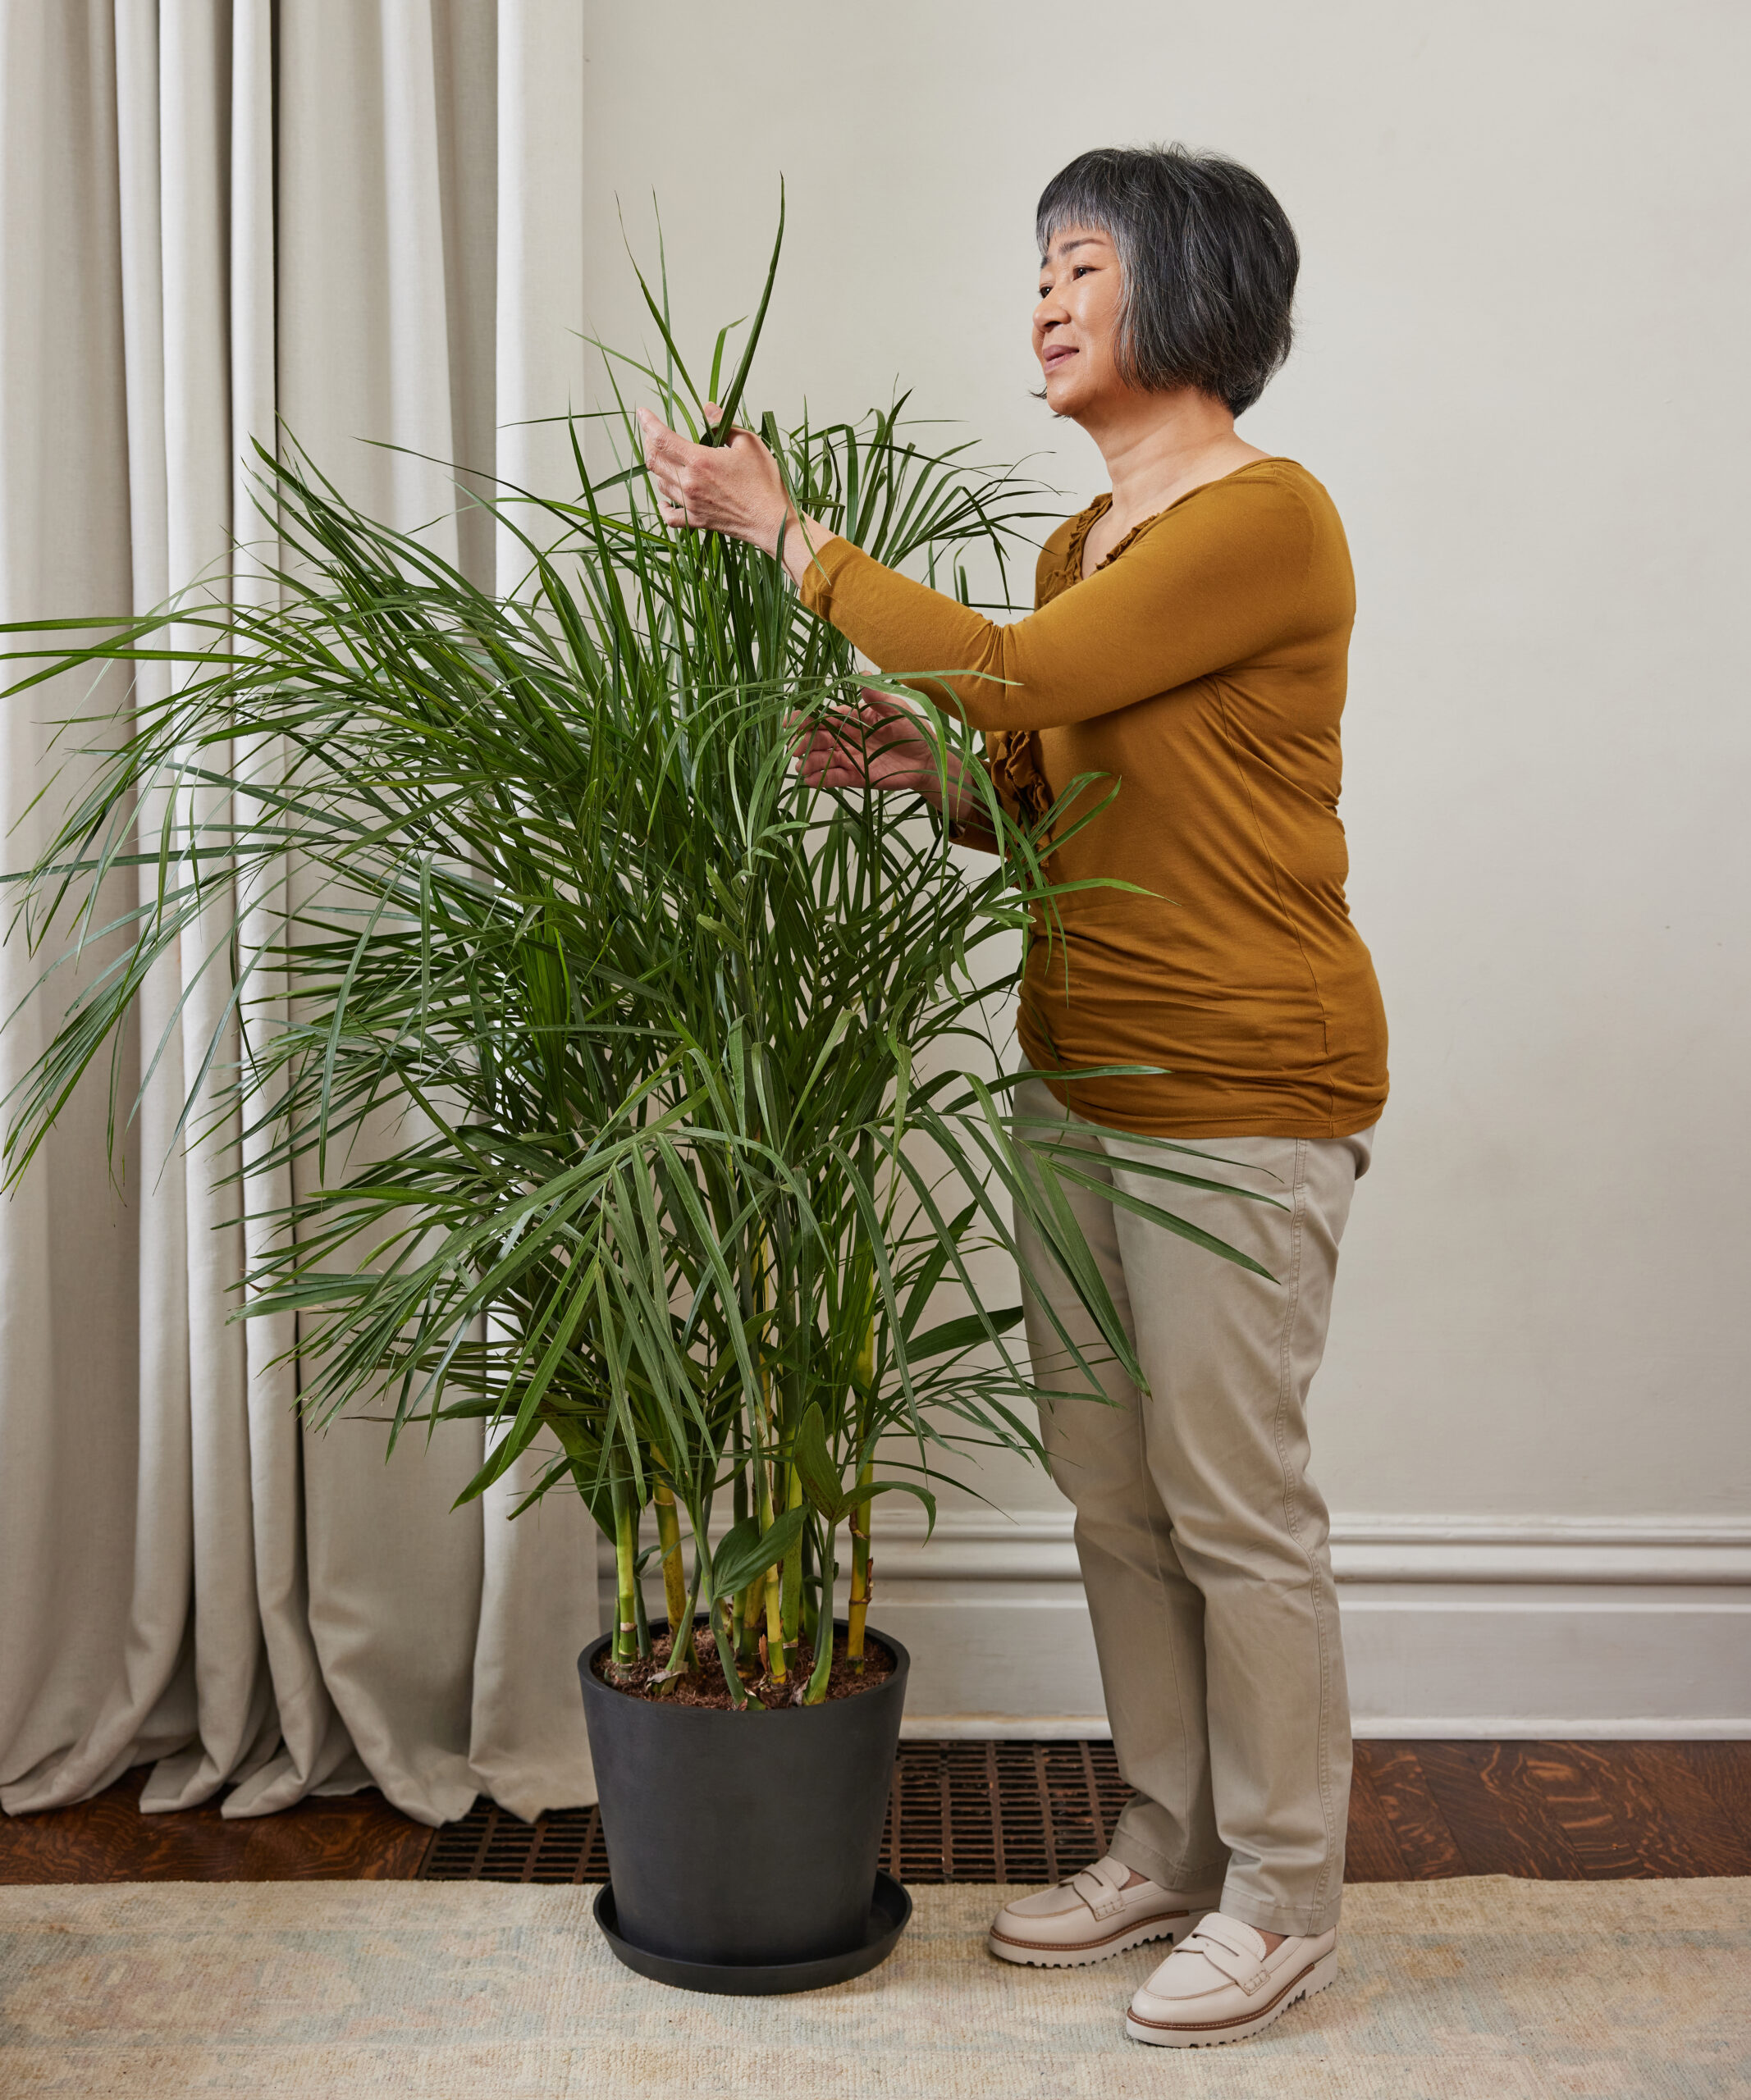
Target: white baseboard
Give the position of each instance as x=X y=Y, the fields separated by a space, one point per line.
x=1547 y=1628
x=1452 y=1628
x=1004 y=1728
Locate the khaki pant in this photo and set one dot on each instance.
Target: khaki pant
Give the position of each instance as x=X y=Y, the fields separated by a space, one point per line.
x=1202 y=1542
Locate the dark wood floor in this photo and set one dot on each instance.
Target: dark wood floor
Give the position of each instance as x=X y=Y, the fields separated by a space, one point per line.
x=350 y=1838
x=1549 y=1811
x=1419 y=1811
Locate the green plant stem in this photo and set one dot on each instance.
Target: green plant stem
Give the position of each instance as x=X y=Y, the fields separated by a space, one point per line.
x=674 y=1581
x=726 y=1655
x=745 y=1636
x=774 y=1589
x=790 y=1593
x=861 y=1566
x=809 y=1616
x=641 y=1616
x=823 y=1669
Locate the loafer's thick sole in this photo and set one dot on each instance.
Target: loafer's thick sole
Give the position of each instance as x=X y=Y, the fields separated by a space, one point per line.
x=1046 y=1954
x=1207 y=2033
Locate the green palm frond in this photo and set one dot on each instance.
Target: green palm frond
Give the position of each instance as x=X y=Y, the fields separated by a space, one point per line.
x=628 y=1086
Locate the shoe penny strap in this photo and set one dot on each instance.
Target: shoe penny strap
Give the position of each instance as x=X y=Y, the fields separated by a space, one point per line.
x=1102 y=1887
x=1218 y=1940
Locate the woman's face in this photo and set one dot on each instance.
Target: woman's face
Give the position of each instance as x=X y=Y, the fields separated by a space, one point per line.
x=1076 y=324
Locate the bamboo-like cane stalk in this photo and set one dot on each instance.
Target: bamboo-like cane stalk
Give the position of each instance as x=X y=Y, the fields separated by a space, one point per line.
x=774 y=1585
x=790 y=1591
x=751 y=1611
x=626 y=1651
x=764 y=1594
x=863 y=1569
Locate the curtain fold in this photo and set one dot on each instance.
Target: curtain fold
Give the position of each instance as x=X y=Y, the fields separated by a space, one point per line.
x=216 y=214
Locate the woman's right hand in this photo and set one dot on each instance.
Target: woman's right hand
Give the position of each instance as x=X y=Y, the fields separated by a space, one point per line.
x=877 y=744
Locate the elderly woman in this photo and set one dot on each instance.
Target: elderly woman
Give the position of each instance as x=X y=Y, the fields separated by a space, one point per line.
x=1189 y=643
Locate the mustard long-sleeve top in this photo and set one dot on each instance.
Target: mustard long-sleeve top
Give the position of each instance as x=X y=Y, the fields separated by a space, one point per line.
x=1202 y=668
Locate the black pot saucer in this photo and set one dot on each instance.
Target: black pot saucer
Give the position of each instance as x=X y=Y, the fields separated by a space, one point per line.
x=890 y=1908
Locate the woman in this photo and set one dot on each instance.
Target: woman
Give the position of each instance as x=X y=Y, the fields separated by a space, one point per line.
x=1189 y=642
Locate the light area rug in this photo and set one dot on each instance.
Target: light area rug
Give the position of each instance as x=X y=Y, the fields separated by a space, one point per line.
x=1500 y=1989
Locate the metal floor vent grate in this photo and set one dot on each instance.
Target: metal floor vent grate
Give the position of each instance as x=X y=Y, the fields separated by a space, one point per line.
x=959 y=1811
x=1001 y=1811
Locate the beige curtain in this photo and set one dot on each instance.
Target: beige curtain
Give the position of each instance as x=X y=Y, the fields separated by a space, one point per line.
x=364 y=216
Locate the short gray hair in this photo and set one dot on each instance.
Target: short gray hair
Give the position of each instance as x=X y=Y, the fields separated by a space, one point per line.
x=1207 y=260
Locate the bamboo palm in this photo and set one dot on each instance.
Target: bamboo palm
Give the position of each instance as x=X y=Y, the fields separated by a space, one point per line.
x=679 y=1057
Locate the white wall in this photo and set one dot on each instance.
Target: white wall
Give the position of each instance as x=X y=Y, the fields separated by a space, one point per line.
x=1524 y=316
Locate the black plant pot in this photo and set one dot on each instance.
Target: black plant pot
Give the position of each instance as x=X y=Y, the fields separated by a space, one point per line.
x=742 y=1847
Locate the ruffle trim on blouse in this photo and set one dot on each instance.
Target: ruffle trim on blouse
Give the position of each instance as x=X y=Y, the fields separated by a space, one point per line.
x=1014 y=757
x=1069 y=569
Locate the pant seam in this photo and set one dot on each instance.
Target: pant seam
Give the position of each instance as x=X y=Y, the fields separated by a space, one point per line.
x=1143 y=1478
x=1286 y=1384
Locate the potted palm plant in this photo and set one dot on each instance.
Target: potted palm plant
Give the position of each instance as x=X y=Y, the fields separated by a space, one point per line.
x=630 y=1088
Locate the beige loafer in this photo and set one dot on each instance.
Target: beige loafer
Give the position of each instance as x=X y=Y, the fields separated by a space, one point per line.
x=1220 y=1985
x=1092 y=1916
